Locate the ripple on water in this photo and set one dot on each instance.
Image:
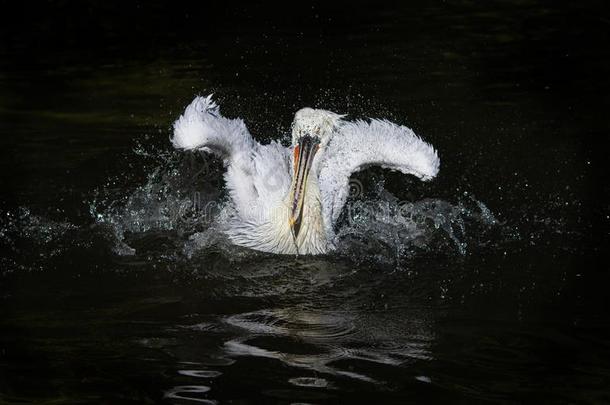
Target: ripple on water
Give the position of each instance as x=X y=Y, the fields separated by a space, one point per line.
x=311 y=382
x=320 y=341
x=189 y=393
x=310 y=326
x=200 y=373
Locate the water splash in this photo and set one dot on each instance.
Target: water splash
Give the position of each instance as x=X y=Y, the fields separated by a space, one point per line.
x=179 y=195
x=180 y=209
x=31 y=240
x=182 y=195
x=402 y=229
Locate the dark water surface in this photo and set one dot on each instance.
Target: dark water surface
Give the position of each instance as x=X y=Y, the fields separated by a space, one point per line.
x=115 y=286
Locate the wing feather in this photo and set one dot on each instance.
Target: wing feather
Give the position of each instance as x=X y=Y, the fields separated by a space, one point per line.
x=361 y=144
x=257 y=175
x=203 y=127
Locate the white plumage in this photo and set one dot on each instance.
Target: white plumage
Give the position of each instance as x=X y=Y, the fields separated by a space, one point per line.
x=287 y=200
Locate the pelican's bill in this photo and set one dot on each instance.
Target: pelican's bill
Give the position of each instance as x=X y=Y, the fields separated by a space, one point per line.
x=304 y=153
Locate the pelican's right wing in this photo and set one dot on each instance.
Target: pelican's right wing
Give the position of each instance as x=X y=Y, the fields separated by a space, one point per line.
x=202 y=127
x=361 y=144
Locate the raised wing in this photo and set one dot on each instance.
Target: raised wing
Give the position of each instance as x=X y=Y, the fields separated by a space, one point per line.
x=257 y=176
x=361 y=144
x=202 y=127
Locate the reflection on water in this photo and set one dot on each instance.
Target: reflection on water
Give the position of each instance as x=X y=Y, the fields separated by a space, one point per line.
x=326 y=343
x=190 y=393
x=309 y=382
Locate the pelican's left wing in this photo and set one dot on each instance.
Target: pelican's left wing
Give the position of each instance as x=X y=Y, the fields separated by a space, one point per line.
x=202 y=127
x=361 y=144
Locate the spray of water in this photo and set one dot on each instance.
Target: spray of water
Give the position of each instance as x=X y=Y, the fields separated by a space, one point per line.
x=182 y=196
x=180 y=209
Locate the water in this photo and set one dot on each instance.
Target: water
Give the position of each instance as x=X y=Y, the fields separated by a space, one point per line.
x=487 y=284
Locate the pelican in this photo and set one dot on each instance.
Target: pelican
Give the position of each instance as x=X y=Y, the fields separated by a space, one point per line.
x=288 y=200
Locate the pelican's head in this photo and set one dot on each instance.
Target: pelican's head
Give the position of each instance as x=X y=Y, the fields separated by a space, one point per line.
x=320 y=124
x=311 y=131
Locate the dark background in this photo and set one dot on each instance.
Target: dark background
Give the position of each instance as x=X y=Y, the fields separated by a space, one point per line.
x=513 y=94
x=554 y=51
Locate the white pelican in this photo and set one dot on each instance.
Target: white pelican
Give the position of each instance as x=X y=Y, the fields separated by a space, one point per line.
x=287 y=200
